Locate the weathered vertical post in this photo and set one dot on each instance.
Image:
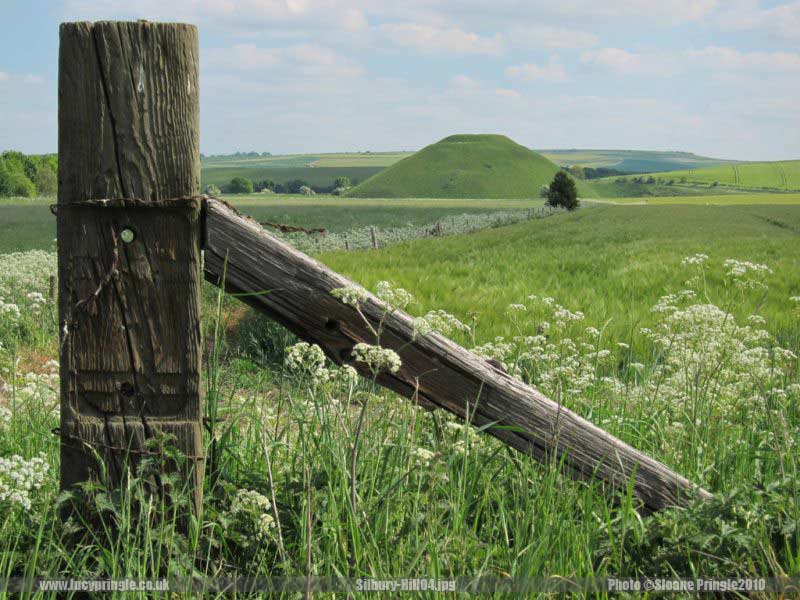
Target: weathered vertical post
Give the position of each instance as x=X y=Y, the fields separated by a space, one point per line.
x=374 y=238
x=129 y=267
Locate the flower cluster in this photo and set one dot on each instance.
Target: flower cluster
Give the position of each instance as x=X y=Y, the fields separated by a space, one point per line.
x=440 y=321
x=376 y=358
x=254 y=508
x=696 y=259
x=746 y=274
x=308 y=360
x=351 y=295
x=422 y=456
x=20 y=477
x=396 y=298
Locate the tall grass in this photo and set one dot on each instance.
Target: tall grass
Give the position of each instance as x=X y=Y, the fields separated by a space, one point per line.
x=316 y=472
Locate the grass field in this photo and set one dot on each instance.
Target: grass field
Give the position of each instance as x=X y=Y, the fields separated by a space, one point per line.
x=464 y=166
x=741 y=199
x=635 y=161
x=315 y=472
x=780 y=175
x=28 y=224
x=612 y=262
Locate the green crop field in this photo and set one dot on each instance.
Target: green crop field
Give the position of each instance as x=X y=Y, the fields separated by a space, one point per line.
x=28 y=224
x=694 y=364
x=613 y=262
x=742 y=199
x=464 y=166
x=361 y=159
x=636 y=161
x=779 y=175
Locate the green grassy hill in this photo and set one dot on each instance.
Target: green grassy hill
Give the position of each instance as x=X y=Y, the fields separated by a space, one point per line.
x=780 y=175
x=464 y=166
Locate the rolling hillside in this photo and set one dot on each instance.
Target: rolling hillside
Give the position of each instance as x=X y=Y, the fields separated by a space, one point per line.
x=464 y=166
x=780 y=175
x=632 y=161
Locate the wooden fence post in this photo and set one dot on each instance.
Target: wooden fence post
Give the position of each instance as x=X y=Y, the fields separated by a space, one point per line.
x=374 y=238
x=129 y=239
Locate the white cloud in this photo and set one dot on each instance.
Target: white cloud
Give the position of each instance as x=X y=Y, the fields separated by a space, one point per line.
x=731 y=59
x=26 y=78
x=544 y=36
x=553 y=71
x=238 y=14
x=715 y=59
x=747 y=15
x=299 y=60
x=649 y=12
x=624 y=62
x=429 y=39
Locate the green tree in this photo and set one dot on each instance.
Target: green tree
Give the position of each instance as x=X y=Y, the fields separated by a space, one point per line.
x=341 y=182
x=212 y=190
x=45 y=180
x=266 y=184
x=13 y=181
x=294 y=186
x=563 y=192
x=240 y=185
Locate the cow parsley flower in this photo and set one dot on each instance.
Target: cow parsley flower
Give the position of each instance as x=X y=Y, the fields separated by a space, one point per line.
x=394 y=297
x=697 y=259
x=377 y=358
x=20 y=477
x=351 y=295
x=444 y=322
x=253 y=507
x=423 y=456
x=307 y=359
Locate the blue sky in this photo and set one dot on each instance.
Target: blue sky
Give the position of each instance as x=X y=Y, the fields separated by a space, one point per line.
x=716 y=77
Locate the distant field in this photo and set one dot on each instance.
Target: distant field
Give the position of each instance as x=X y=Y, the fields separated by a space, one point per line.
x=342 y=214
x=615 y=187
x=315 y=176
x=718 y=199
x=28 y=224
x=337 y=159
x=624 y=160
x=780 y=175
x=634 y=161
x=612 y=262
x=371 y=159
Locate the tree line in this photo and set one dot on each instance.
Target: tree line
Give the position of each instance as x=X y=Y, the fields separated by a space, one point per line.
x=243 y=185
x=28 y=175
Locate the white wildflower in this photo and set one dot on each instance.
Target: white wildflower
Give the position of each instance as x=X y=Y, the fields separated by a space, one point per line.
x=377 y=358
x=444 y=322
x=423 y=456
x=394 y=297
x=697 y=259
x=254 y=507
x=351 y=295
x=307 y=359
x=20 y=477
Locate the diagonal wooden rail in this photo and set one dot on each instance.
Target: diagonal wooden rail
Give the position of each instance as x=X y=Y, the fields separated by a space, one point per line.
x=247 y=259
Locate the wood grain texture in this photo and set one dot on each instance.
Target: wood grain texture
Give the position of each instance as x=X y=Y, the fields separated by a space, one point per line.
x=435 y=369
x=129 y=311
